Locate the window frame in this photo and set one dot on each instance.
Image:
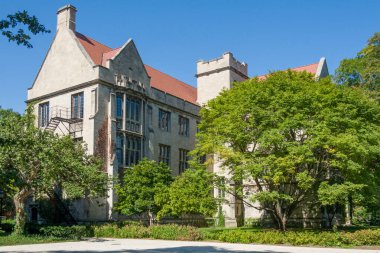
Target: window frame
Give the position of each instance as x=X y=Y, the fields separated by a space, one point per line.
x=43 y=114
x=183 y=126
x=164 y=154
x=183 y=159
x=161 y=124
x=77 y=110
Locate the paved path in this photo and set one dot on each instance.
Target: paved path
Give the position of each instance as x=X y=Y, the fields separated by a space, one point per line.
x=156 y=246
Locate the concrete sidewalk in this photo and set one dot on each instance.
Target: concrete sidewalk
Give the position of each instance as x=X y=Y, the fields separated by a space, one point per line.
x=156 y=246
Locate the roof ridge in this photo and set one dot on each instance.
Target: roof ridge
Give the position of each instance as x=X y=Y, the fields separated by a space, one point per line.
x=290 y=68
x=182 y=82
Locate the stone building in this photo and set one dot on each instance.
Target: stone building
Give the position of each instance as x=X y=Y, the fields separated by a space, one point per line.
x=123 y=109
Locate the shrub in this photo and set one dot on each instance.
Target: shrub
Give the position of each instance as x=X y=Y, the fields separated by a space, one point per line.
x=175 y=232
x=166 y=232
x=72 y=232
x=320 y=238
x=7 y=225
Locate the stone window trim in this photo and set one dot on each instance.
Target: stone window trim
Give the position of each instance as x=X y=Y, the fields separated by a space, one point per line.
x=164 y=119
x=183 y=160
x=164 y=154
x=43 y=114
x=183 y=126
x=77 y=105
x=128 y=149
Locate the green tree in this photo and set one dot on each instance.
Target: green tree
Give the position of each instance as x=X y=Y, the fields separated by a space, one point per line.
x=190 y=193
x=139 y=187
x=364 y=69
x=288 y=134
x=37 y=162
x=8 y=28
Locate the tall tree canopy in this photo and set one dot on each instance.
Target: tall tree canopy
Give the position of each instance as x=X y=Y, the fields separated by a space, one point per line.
x=139 y=187
x=289 y=134
x=364 y=69
x=190 y=193
x=35 y=162
x=8 y=27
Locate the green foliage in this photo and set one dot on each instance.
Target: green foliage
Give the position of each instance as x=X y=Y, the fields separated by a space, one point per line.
x=188 y=194
x=66 y=232
x=13 y=239
x=165 y=232
x=316 y=238
x=141 y=183
x=33 y=161
x=337 y=193
x=364 y=69
x=288 y=134
x=7 y=225
x=7 y=28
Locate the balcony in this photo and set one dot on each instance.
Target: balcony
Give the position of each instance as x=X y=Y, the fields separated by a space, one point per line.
x=62 y=121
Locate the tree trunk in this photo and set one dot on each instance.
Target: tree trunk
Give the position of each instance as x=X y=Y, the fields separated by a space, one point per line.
x=150 y=218
x=19 y=201
x=349 y=210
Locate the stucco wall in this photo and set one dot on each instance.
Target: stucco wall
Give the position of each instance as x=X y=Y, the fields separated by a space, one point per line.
x=65 y=66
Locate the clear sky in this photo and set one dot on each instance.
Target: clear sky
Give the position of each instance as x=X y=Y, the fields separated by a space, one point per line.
x=172 y=35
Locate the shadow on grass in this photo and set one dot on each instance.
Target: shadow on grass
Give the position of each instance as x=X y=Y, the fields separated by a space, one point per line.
x=186 y=249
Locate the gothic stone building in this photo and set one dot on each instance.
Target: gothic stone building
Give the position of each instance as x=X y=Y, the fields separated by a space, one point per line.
x=125 y=110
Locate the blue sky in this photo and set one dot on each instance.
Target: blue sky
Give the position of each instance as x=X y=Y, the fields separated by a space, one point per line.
x=172 y=35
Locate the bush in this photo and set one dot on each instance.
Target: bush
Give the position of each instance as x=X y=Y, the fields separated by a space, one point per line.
x=166 y=232
x=320 y=238
x=66 y=232
x=7 y=225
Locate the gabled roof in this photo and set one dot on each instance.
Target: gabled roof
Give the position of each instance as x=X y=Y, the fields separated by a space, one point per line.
x=311 y=68
x=169 y=84
x=100 y=53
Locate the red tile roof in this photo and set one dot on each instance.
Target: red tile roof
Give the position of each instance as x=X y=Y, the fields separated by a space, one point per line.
x=171 y=85
x=100 y=53
x=311 y=68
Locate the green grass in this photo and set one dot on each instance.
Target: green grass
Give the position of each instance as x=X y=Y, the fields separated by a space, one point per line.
x=10 y=239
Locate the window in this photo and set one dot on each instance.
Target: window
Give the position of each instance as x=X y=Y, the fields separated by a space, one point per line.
x=77 y=106
x=119 y=148
x=133 y=150
x=164 y=120
x=119 y=110
x=94 y=101
x=164 y=155
x=150 y=116
x=43 y=114
x=183 y=124
x=133 y=113
x=221 y=187
x=183 y=158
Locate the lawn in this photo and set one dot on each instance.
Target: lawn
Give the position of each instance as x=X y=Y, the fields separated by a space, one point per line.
x=9 y=239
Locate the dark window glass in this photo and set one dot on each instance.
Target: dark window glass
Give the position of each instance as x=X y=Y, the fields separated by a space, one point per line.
x=119 y=148
x=164 y=155
x=164 y=120
x=43 y=114
x=133 y=111
x=77 y=106
x=183 y=160
x=133 y=150
x=183 y=125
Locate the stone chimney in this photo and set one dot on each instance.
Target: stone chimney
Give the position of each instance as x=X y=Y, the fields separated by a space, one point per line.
x=66 y=17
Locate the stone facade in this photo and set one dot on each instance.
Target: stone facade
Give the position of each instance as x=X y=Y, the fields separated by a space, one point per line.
x=125 y=110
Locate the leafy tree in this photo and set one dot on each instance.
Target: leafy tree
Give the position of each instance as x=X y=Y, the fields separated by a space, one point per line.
x=288 y=134
x=8 y=25
x=190 y=193
x=36 y=162
x=141 y=184
x=364 y=69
